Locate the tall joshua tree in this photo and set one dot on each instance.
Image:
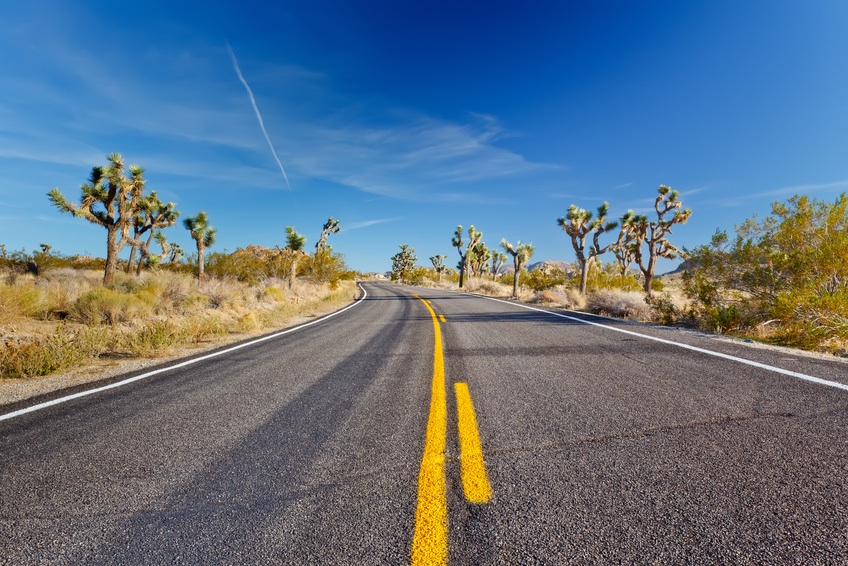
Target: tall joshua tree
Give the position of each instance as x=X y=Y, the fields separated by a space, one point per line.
x=294 y=245
x=579 y=225
x=438 y=262
x=474 y=238
x=521 y=254
x=152 y=215
x=110 y=199
x=330 y=227
x=654 y=233
x=203 y=235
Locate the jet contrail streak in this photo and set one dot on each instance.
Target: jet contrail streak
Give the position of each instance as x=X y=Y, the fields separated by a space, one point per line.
x=258 y=115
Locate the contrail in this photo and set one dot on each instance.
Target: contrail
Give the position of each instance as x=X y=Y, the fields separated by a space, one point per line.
x=258 y=115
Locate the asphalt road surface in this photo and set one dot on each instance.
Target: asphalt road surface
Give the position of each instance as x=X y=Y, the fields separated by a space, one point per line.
x=600 y=446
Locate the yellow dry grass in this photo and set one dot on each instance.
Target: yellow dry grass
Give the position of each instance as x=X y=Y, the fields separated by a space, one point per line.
x=66 y=318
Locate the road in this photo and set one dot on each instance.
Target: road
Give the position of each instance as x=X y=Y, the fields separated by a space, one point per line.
x=600 y=446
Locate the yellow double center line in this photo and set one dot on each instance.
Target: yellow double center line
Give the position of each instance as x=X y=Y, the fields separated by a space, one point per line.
x=430 y=542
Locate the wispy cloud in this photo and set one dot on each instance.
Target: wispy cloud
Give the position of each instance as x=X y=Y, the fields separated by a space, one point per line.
x=367 y=223
x=258 y=114
x=804 y=189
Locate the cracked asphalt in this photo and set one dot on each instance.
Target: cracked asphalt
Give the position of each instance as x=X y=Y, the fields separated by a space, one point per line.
x=600 y=447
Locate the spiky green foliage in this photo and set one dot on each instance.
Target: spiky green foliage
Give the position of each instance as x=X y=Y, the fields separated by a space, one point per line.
x=403 y=263
x=474 y=237
x=203 y=235
x=579 y=224
x=152 y=215
x=641 y=235
x=294 y=241
x=330 y=227
x=521 y=254
x=438 y=262
x=498 y=259
x=293 y=252
x=110 y=199
x=478 y=259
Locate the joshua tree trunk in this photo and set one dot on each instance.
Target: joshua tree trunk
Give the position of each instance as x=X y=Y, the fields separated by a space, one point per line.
x=201 y=251
x=649 y=274
x=112 y=250
x=584 y=275
x=515 y=281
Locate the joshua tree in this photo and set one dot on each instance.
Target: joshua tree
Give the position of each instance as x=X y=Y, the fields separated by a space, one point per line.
x=152 y=215
x=294 y=245
x=204 y=236
x=478 y=258
x=176 y=253
x=578 y=224
x=521 y=254
x=625 y=250
x=653 y=233
x=119 y=198
x=403 y=262
x=473 y=239
x=438 y=262
x=498 y=259
x=330 y=227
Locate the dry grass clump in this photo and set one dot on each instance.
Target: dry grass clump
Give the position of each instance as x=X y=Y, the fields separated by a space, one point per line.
x=66 y=319
x=561 y=296
x=109 y=306
x=488 y=287
x=46 y=354
x=621 y=304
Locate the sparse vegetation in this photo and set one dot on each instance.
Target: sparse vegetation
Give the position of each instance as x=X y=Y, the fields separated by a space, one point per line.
x=68 y=318
x=784 y=277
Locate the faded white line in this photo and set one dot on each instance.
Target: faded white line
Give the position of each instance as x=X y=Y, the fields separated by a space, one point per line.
x=117 y=384
x=795 y=374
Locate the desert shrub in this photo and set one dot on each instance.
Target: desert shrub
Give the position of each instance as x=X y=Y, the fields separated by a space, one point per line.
x=665 y=311
x=327 y=267
x=47 y=354
x=488 y=287
x=222 y=293
x=789 y=267
x=274 y=294
x=622 y=304
x=541 y=279
x=608 y=276
x=20 y=299
x=105 y=305
x=151 y=337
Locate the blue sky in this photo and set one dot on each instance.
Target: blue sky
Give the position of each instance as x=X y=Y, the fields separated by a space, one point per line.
x=405 y=119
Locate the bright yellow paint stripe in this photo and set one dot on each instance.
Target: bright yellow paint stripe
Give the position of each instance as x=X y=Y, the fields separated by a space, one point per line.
x=430 y=543
x=442 y=318
x=475 y=483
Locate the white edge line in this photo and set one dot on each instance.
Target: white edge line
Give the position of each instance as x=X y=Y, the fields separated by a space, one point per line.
x=73 y=396
x=795 y=374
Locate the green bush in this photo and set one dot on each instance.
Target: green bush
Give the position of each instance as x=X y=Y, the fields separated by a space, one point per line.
x=541 y=279
x=62 y=350
x=104 y=305
x=789 y=269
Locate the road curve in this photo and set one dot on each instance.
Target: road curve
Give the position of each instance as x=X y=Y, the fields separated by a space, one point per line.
x=600 y=447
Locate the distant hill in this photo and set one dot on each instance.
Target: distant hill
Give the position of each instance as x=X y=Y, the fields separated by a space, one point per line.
x=544 y=264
